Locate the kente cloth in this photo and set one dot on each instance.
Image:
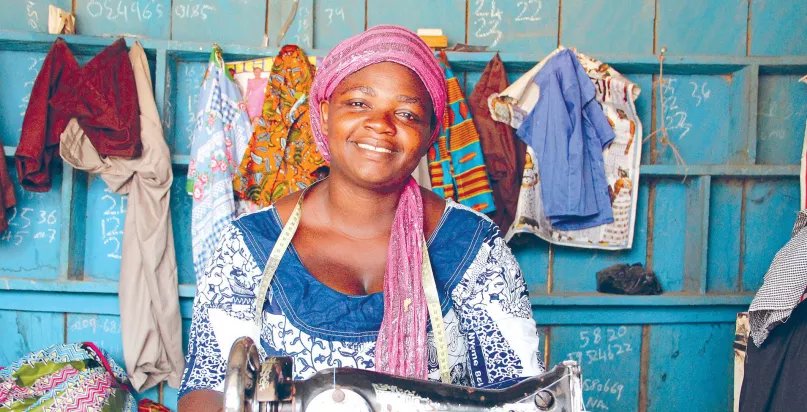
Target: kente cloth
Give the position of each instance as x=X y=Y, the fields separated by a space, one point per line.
x=402 y=348
x=456 y=163
x=219 y=142
x=504 y=153
x=491 y=335
x=41 y=126
x=282 y=156
x=73 y=377
x=151 y=326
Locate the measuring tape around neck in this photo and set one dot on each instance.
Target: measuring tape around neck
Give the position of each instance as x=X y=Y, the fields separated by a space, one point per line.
x=429 y=286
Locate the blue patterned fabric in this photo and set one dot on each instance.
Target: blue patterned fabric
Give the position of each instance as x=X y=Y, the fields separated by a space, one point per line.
x=492 y=338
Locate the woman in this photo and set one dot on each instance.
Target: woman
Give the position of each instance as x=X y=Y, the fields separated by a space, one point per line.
x=347 y=291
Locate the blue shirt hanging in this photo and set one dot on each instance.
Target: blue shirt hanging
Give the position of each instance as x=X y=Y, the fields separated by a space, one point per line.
x=568 y=131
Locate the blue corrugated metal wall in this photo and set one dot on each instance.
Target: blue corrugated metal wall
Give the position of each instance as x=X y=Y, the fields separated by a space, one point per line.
x=709 y=230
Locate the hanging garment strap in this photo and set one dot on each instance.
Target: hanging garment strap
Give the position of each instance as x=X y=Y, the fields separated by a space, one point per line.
x=429 y=287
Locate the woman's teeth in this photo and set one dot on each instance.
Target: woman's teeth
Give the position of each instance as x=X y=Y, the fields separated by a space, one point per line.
x=373 y=148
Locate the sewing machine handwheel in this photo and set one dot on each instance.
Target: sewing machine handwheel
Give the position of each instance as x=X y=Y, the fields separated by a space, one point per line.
x=240 y=380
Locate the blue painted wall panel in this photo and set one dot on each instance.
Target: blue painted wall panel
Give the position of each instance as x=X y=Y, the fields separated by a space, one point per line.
x=528 y=25
x=593 y=26
x=574 y=270
x=188 y=80
x=222 y=21
x=448 y=15
x=336 y=20
x=532 y=255
x=698 y=27
x=18 y=70
x=29 y=15
x=106 y=213
x=301 y=30
x=770 y=212
x=30 y=246
x=782 y=114
x=669 y=233
x=147 y=18
x=181 y=204
x=777 y=28
x=696 y=113
x=610 y=359
x=725 y=215
x=695 y=360
x=25 y=332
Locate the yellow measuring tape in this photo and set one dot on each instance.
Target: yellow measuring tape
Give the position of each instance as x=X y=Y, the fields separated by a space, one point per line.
x=429 y=287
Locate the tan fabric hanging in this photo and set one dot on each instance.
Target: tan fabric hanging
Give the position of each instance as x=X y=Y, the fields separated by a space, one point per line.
x=149 y=298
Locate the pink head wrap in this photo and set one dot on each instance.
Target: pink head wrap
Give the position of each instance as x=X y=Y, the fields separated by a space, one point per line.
x=402 y=347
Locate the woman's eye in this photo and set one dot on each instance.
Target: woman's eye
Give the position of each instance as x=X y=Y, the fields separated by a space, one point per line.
x=356 y=104
x=408 y=116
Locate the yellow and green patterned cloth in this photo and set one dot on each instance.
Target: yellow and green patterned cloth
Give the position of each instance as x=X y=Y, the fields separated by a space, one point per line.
x=74 y=377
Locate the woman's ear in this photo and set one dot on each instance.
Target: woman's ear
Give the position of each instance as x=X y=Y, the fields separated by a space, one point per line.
x=323 y=116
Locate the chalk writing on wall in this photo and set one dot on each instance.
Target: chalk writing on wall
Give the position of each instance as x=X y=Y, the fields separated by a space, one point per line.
x=529 y=10
x=112 y=223
x=303 y=36
x=193 y=11
x=34 y=64
x=24 y=223
x=337 y=13
x=600 y=394
x=125 y=9
x=33 y=16
x=94 y=324
x=676 y=116
x=487 y=18
x=601 y=345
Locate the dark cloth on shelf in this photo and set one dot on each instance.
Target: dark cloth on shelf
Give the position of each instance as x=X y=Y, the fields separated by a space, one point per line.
x=775 y=377
x=503 y=152
x=624 y=279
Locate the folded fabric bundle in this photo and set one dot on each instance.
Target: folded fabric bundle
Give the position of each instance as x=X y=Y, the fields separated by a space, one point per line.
x=624 y=279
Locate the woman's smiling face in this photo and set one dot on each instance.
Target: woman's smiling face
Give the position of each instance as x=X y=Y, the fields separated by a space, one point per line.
x=378 y=121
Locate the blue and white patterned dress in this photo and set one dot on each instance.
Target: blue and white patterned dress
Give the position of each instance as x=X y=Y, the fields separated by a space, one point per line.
x=492 y=337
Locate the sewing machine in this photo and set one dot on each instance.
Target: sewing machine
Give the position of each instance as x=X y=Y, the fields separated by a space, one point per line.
x=252 y=386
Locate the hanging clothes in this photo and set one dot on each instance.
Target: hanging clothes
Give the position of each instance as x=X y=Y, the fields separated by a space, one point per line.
x=784 y=285
x=456 y=162
x=621 y=159
x=219 y=142
x=7 y=199
x=504 y=154
x=282 y=157
x=102 y=96
x=41 y=126
x=774 y=377
x=66 y=377
x=151 y=325
x=568 y=132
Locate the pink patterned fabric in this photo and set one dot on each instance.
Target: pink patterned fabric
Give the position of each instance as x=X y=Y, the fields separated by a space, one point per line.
x=401 y=348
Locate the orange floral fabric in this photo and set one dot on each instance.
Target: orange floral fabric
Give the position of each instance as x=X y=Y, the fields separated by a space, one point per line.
x=282 y=156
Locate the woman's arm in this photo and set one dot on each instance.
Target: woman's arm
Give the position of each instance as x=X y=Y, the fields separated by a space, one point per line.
x=201 y=400
x=205 y=366
x=496 y=318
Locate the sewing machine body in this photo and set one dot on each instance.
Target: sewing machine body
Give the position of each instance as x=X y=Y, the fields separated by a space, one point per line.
x=251 y=387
